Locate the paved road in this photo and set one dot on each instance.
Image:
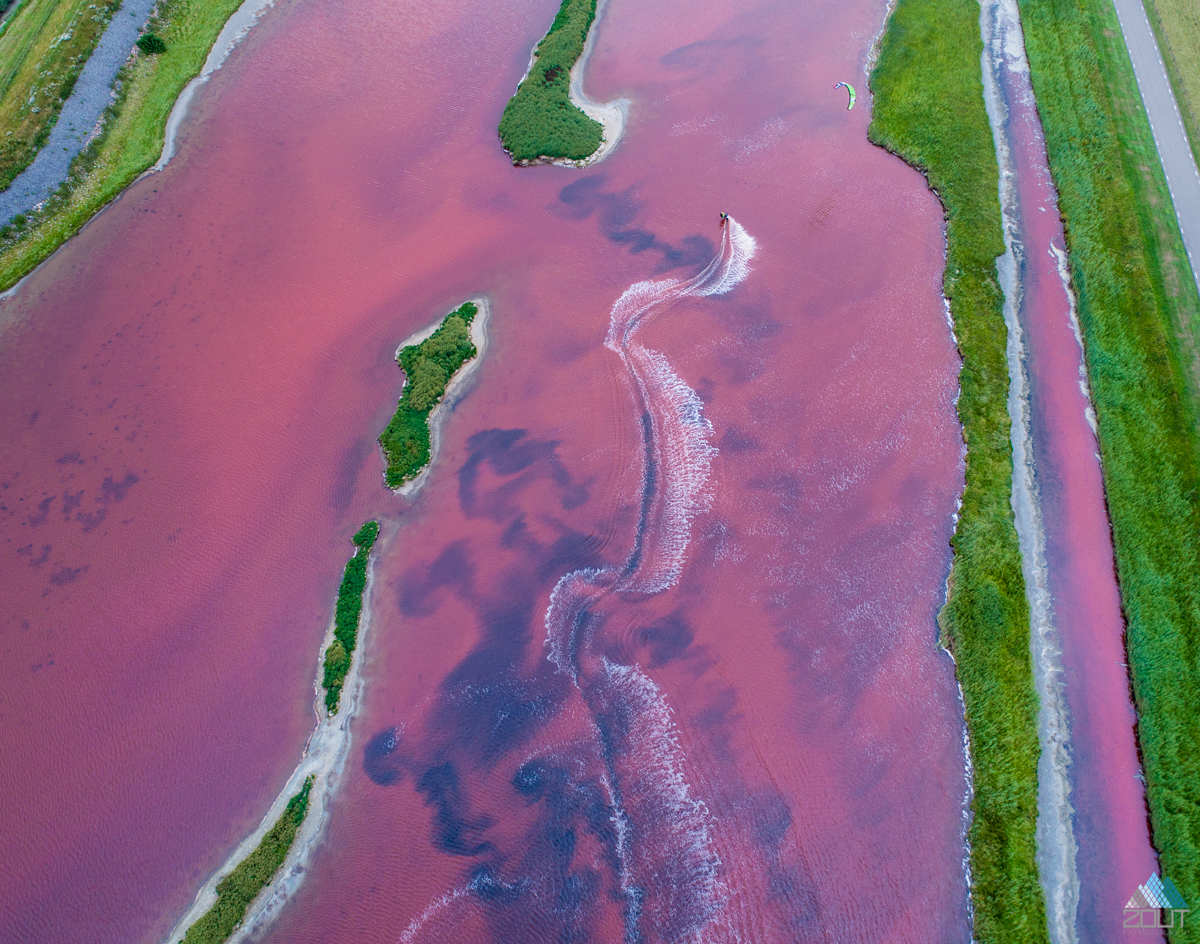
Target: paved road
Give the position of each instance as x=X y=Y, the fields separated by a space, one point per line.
x=1177 y=160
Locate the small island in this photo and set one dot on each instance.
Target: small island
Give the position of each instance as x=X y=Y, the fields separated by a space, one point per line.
x=347 y=615
x=542 y=122
x=428 y=369
x=240 y=887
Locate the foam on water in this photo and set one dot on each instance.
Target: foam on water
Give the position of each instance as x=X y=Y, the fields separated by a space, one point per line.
x=648 y=788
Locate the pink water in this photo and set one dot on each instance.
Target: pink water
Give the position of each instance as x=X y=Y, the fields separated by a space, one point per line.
x=1110 y=825
x=767 y=745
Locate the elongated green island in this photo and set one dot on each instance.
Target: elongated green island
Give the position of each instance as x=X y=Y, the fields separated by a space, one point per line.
x=1140 y=317
x=240 y=887
x=936 y=44
x=428 y=368
x=541 y=122
x=347 y=615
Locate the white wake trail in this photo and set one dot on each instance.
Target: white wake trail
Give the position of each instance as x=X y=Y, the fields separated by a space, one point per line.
x=670 y=876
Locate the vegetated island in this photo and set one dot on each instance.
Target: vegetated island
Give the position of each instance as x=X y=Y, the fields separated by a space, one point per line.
x=44 y=46
x=323 y=754
x=429 y=367
x=240 y=887
x=347 y=614
x=985 y=622
x=1140 y=317
x=549 y=119
x=131 y=133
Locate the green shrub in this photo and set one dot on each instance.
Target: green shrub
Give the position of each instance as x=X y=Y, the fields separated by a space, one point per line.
x=151 y=44
x=936 y=44
x=428 y=367
x=540 y=121
x=240 y=887
x=347 y=612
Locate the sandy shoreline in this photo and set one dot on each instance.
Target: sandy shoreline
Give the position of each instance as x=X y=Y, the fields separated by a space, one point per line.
x=454 y=389
x=324 y=758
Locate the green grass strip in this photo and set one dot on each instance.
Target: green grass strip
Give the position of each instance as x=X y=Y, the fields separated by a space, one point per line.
x=428 y=367
x=132 y=139
x=540 y=121
x=929 y=110
x=240 y=887
x=42 y=52
x=1138 y=309
x=346 y=616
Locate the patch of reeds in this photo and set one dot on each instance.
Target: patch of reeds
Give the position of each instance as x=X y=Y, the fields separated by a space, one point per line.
x=1140 y=316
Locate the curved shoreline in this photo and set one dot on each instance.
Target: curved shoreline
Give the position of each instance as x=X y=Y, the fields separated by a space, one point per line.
x=324 y=757
x=612 y=116
x=232 y=33
x=454 y=388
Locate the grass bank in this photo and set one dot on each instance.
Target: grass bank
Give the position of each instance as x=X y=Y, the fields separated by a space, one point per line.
x=936 y=44
x=1177 y=28
x=346 y=616
x=44 y=46
x=1139 y=312
x=132 y=136
x=428 y=368
x=240 y=887
x=540 y=121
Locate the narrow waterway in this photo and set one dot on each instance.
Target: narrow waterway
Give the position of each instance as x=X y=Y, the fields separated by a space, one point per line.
x=1093 y=836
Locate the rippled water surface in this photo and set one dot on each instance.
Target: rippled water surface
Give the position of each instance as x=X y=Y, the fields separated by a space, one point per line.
x=731 y=719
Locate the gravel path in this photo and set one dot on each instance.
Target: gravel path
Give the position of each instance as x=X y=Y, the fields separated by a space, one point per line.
x=1169 y=135
x=79 y=115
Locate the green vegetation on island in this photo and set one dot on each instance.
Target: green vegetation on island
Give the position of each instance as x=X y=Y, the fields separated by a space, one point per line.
x=1176 y=25
x=936 y=45
x=240 y=887
x=1140 y=316
x=428 y=367
x=346 y=616
x=540 y=121
x=131 y=136
x=44 y=46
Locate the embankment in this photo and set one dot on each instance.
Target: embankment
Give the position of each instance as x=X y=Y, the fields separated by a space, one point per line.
x=1139 y=312
x=129 y=138
x=936 y=44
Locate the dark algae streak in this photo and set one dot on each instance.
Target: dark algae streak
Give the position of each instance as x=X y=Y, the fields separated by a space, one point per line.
x=240 y=887
x=540 y=121
x=929 y=110
x=1140 y=318
x=347 y=615
x=428 y=368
